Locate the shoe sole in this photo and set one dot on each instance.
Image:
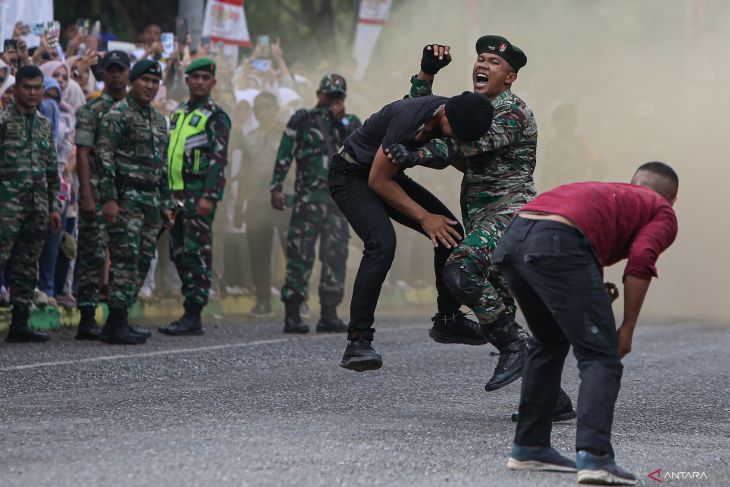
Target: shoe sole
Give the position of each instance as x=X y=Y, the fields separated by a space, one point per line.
x=534 y=466
x=446 y=338
x=489 y=388
x=602 y=477
x=361 y=365
x=183 y=334
x=112 y=341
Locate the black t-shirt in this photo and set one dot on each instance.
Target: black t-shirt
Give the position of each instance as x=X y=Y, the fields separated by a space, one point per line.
x=397 y=122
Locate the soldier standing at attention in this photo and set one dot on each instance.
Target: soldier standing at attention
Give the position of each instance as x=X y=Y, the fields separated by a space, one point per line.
x=313 y=136
x=134 y=192
x=197 y=157
x=92 y=241
x=29 y=187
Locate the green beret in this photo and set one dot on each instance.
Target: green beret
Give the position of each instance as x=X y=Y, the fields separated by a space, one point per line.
x=201 y=64
x=145 y=66
x=503 y=48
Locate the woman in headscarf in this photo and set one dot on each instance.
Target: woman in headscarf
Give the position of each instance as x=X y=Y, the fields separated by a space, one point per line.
x=6 y=91
x=80 y=72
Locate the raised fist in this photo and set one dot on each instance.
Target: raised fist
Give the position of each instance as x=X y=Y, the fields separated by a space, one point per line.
x=435 y=57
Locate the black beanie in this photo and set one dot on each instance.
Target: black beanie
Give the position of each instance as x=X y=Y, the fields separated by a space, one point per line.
x=470 y=115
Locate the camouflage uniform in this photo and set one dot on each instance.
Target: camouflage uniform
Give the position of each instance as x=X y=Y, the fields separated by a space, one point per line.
x=93 y=240
x=29 y=189
x=315 y=214
x=497 y=182
x=131 y=149
x=203 y=176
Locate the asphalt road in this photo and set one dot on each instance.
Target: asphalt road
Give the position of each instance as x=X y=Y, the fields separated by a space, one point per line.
x=246 y=405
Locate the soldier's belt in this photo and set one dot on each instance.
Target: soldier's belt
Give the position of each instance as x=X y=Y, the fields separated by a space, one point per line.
x=138 y=184
x=348 y=157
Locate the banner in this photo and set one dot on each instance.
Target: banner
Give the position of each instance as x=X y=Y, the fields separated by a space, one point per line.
x=225 y=22
x=373 y=15
x=29 y=11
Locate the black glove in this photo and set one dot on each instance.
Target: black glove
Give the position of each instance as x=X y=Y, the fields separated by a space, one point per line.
x=430 y=62
x=402 y=157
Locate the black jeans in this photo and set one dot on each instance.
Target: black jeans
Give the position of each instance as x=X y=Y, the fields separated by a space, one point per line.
x=370 y=217
x=551 y=270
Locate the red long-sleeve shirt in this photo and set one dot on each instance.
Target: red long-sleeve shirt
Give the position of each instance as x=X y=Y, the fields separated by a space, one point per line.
x=620 y=220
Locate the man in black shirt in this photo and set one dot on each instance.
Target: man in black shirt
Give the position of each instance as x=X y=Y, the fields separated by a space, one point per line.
x=371 y=191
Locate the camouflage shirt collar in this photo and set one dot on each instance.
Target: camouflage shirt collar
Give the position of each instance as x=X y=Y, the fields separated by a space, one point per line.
x=134 y=105
x=13 y=107
x=502 y=96
x=191 y=105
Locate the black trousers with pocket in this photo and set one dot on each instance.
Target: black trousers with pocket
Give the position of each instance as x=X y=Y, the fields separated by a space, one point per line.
x=552 y=271
x=370 y=216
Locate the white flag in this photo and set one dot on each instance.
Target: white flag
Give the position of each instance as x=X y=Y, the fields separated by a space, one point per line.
x=372 y=17
x=225 y=22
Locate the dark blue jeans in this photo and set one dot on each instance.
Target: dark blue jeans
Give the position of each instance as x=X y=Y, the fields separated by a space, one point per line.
x=552 y=272
x=370 y=217
x=49 y=256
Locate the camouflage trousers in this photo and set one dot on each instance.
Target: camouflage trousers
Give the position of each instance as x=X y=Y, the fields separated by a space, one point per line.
x=23 y=227
x=90 y=257
x=309 y=222
x=132 y=242
x=191 y=249
x=473 y=255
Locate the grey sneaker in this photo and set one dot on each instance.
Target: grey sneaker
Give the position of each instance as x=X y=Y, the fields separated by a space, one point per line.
x=542 y=458
x=601 y=470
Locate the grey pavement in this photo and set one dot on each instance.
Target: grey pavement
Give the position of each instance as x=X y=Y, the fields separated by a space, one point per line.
x=245 y=405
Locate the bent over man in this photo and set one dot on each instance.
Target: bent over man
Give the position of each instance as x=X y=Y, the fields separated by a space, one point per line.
x=553 y=255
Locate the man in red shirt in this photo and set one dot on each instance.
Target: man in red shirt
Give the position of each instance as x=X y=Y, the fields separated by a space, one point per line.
x=552 y=257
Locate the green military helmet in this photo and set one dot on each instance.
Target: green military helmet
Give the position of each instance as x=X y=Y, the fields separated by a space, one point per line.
x=333 y=83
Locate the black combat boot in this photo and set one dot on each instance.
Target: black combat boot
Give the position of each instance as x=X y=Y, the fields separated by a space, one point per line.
x=511 y=341
x=329 y=322
x=456 y=328
x=563 y=409
x=19 y=331
x=293 y=321
x=116 y=330
x=88 y=329
x=360 y=354
x=189 y=324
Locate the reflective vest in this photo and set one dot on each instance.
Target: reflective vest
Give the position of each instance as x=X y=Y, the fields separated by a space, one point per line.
x=187 y=139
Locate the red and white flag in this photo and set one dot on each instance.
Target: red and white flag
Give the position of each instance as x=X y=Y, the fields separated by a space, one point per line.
x=372 y=17
x=225 y=22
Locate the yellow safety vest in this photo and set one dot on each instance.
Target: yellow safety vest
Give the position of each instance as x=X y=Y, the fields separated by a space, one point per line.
x=187 y=137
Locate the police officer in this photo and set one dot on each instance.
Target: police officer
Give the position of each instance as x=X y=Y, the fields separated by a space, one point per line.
x=312 y=137
x=197 y=157
x=92 y=241
x=29 y=187
x=134 y=192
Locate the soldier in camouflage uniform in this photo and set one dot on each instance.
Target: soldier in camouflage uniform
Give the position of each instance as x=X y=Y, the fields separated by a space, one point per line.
x=92 y=241
x=197 y=157
x=29 y=188
x=133 y=189
x=313 y=136
x=497 y=182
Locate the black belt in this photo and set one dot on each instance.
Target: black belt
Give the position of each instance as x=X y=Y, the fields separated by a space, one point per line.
x=126 y=182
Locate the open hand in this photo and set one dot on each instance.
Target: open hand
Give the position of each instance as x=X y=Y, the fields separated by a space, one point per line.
x=441 y=230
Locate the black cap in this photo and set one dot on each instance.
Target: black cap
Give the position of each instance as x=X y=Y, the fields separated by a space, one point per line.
x=470 y=115
x=503 y=48
x=119 y=58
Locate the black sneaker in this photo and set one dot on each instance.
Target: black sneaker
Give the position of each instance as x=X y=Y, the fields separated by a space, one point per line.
x=539 y=458
x=456 y=328
x=360 y=354
x=601 y=470
x=563 y=409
